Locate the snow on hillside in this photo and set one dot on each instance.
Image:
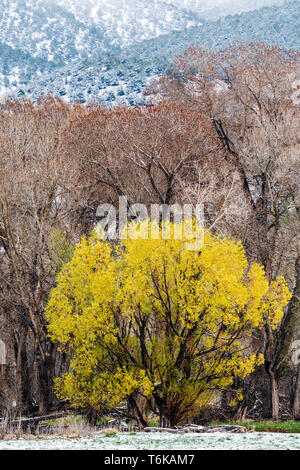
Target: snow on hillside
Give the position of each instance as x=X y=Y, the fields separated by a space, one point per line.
x=127 y=21
x=214 y=9
x=109 y=50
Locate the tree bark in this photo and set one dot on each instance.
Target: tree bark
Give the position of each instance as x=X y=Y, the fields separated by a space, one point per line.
x=22 y=376
x=137 y=412
x=276 y=353
x=274 y=395
x=46 y=372
x=296 y=397
x=4 y=390
x=92 y=416
x=295 y=313
x=271 y=356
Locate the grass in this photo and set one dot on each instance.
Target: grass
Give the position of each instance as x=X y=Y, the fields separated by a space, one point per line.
x=71 y=427
x=154 y=423
x=110 y=432
x=68 y=420
x=267 y=426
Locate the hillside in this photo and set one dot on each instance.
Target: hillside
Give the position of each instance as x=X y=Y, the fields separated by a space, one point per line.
x=94 y=60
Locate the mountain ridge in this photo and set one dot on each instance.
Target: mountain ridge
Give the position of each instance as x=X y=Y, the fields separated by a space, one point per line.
x=116 y=74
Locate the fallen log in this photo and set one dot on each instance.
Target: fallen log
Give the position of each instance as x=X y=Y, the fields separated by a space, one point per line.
x=227 y=428
x=199 y=429
x=174 y=431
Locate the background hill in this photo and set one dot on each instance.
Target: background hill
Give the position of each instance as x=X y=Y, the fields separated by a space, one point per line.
x=109 y=50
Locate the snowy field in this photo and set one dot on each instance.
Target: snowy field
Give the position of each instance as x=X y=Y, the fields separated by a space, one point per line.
x=155 y=441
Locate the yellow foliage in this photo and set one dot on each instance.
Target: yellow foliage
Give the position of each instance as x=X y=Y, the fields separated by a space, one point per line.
x=152 y=317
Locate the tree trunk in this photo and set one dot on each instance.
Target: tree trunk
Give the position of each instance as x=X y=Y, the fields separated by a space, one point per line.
x=296 y=397
x=289 y=332
x=271 y=356
x=137 y=412
x=295 y=312
x=164 y=421
x=92 y=416
x=46 y=372
x=275 y=395
x=240 y=415
x=22 y=376
x=4 y=384
x=45 y=389
x=4 y=391
x=167 y=419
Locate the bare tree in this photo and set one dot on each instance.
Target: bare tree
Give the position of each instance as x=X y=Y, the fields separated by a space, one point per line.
x=246 y=91
x=162 y=154
x=34 y=208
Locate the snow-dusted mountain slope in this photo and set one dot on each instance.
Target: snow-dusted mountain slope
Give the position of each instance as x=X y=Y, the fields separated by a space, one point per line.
x=41 y=35
x=128 y=21
x=59 y=30
x=214 y=9
x=47 y=31
x=122 y=15
x=109 y=50
x=125 y=22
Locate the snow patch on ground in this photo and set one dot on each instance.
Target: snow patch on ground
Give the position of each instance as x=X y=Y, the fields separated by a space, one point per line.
x=164 y=441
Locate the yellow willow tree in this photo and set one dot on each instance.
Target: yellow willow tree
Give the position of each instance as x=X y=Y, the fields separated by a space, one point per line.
x=152 y=321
